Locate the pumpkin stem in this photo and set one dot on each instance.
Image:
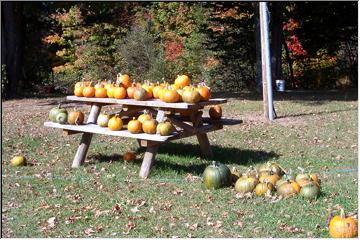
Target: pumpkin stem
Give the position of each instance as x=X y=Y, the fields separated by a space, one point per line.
x=214 y=163
x=301 y=169
x=342 y=213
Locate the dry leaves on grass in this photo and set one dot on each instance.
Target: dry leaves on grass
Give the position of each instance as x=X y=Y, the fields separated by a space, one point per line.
x=129 y=226
x=290 y=229
x=117 y=209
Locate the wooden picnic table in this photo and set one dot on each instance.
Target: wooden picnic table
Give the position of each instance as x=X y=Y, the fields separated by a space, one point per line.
x=195 y=124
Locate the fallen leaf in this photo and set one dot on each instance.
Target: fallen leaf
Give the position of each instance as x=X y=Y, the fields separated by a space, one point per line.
x=89 y=231
x=117 y=209
x=52 y=222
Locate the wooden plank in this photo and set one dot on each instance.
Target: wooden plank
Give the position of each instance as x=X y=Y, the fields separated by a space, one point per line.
x=94 y=128
x=203 y=129
x=181 y=124
x=149 y=103
x=86 y=137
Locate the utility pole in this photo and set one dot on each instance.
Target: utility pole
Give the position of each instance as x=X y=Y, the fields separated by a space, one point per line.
x=266 y=62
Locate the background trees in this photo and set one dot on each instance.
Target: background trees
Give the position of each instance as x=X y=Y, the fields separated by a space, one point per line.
x=314 y=45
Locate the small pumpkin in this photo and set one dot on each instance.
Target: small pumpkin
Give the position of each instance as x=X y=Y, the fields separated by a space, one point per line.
x=204 y=92
x=165 y=128
x=301 y=175
x=245 y=184
x=289 y=188
x=343 y=227
x=272 y=178
x=262 y=188
x=144 y=116
x=140 y=94
x=100 y=92
x=215 y=112
x=76 y=117
x=103 y=119
x=124 y=80
x=115 y=123
x=129 y=156
x=55 y=111
x=130 y=90
x=78 y=91
x=89 y=91
x=216 y=175
x=310 y=191
x=149 y=126
x=182 y=80
x=156 y=91
x=18 y=161
x=134 y=126
x=110 y=91
x=273 y=167
x=119 y=92
x=191 y=96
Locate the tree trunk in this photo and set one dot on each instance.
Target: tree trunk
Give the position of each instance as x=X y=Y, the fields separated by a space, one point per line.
x=12 y=35
x=276 y=43
x=258 y=76
x=288 y=58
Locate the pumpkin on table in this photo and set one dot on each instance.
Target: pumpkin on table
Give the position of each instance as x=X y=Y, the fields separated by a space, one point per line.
x=140 y=94
x=124 y=80
x=89 y=91
x=182 y=81
x=149 y=126
x=165 y=128
x=134 y=126
x=76 y=117
x=103 y=119
x=215 y=112
x=119 y=92
x=144 y=116
x=115 y=123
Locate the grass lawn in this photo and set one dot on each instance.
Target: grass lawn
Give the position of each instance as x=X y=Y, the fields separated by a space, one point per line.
x=106 y=198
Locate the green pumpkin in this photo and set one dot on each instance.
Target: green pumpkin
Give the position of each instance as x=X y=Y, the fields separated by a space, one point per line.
x=62 y=118
x=216 y=176
x=310 y=191
x=245 y=184
x=55 y=111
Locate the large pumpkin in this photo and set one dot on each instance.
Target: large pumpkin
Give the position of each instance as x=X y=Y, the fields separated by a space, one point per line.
x=149 y=126
x=343 y=227
x=216 y=176
x=182 y=81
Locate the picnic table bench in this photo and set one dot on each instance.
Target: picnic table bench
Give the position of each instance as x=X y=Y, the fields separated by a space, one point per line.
x=195 y=124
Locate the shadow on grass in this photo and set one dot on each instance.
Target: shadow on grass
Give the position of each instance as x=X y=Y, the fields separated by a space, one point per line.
x=316 y=113
x=225 y=155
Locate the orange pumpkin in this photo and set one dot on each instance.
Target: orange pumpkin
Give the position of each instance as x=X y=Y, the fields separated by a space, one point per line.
x=215 y=112
x=270 y=178
x=79 y=91
x=129 y=156
x=144 y=116
x=182 y=81
x=119 y=93
x=170 y=96
x=149 y=126
x=134 y=126
x=204 y=92
x=156 y=91
x=130 y=91
x=115 y=123
x=89 y=91
x=100 y=92
x=343 y=227
x=124 y=79
x=99 y=85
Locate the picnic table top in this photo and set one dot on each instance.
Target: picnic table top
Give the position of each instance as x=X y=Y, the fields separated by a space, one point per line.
x=149 y=103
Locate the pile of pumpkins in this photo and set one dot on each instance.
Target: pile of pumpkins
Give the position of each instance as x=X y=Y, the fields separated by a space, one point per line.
x=268 y=178
x=180 y=90
x=62 y=116
x=144 y=123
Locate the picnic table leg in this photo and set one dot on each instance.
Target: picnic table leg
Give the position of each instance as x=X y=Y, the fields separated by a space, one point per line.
x=86 y=138
x=202 y=137
x=151 y=150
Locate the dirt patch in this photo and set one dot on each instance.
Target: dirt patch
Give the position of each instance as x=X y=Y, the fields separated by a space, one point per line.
x=258 y=118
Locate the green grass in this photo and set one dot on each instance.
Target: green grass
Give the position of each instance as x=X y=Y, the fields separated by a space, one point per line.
x=317 y=132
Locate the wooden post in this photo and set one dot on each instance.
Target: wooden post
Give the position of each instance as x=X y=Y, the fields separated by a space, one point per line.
x=151 y=150
x=202 y=137
x=86 y=138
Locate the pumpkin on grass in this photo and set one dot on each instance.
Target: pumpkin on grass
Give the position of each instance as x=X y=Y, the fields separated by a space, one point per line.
x=215 y=112
x=129 y=156
x=310 y=191
x=343 y=227
x=18 y=161
x=289 y=188
x=262 y=188
x=246 y=184
x=216 y=176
